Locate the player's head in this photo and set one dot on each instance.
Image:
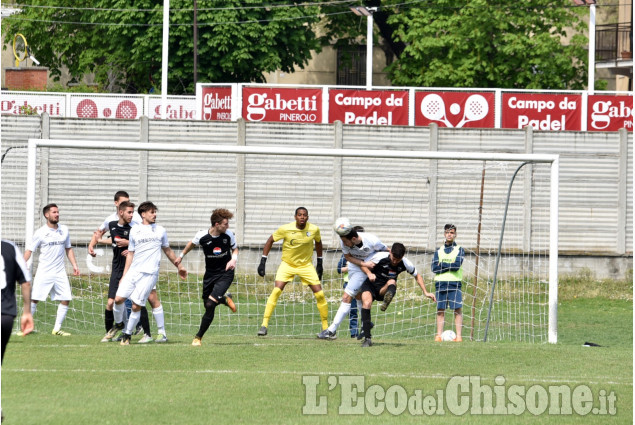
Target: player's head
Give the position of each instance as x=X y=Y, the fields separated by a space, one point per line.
x=397 y=252
x=358 y=228
x=449 y=231
x=352 y=238
x=121 y=196
x=52 y=213
x=148 y=211
x=126 y=211
x=220 y=219
x=301 y=217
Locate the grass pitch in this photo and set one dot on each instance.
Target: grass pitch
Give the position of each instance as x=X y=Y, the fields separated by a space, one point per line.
x=251 y=380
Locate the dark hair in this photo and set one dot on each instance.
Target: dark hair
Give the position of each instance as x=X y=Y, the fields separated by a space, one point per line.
x=47 y=208
x=300 y=208
x=220 y=214
x=352 y=234
x=146 y=206
x=121 y=194
x=398 y=250
x=449 y=227
x=125 y=204
x=358 y=228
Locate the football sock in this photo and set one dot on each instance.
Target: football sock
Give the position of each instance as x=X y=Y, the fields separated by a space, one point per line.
x=132 y=321
x=61 y=315
x=208 y=317
x=366 y=322
x=109 y=319
x=33 y=308
x=342 y=312
x=271 y=305
x=392 y=289
x=158 y=317
x=145 y=321
x=323 y=308
x=117 y=312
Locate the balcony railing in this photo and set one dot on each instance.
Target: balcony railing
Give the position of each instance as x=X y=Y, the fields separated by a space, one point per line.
x=613 y=41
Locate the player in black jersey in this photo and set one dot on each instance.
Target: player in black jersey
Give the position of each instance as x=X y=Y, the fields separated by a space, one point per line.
x=381 y=284
x=121 y=230
x=221 y=254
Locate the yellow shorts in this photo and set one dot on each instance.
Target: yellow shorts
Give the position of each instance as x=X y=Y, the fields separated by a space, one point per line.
x=306 y=272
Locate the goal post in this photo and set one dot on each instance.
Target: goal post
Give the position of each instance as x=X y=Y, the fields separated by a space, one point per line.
x=529 y=303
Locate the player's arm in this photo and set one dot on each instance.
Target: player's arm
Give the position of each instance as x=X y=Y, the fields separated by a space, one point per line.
x=436 y=268
x=71 y=257
x=129 y=258
x=231 y=264
x=369 y=273
x=265 y=253
x=353 y=260
x=187 y=249
x=172 y=257
x=97 y=234
x=456 y=265
x=319 y=268
x=422 y=285
x=27 y=255
x=26 y=321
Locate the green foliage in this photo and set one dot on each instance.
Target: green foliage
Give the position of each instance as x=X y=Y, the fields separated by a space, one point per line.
x=120 y=40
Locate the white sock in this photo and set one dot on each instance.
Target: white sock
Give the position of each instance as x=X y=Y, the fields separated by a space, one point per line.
x=33 y=308
x=61 y=315
x=117 y=312
x=158 y=316
x=132 y=321
x=342 y=312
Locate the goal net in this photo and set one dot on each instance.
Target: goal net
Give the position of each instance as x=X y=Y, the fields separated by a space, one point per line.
x=400 y=196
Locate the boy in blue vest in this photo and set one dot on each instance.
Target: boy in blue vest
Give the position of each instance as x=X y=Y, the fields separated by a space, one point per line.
x=448 y=274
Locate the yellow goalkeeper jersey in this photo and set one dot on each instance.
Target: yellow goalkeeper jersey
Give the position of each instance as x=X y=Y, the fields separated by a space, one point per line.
x=297 y=248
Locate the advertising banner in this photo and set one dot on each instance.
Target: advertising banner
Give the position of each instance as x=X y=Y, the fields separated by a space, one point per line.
x=17 y=104
x=177 y=108
x=610 y=113
x=371 y=107
x=555 y=112
x=455 y=109
x=85 y=106
x=282 y=104
x=217 y=103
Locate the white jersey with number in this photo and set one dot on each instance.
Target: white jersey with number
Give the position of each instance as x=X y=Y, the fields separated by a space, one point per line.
x=370 y=245
x=146 y=241
x=53 y=244
x=136 y=219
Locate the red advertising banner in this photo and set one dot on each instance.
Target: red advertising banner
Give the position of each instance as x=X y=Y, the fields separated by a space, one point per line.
x=217 y=103
x=557 y=112
x=610 y=113
x=455 y=109
x=375 y=107
x=282 y=104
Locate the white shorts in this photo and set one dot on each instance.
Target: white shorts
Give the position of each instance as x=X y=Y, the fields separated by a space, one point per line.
x=356 y=277
x=136 y=286
x=56 y=284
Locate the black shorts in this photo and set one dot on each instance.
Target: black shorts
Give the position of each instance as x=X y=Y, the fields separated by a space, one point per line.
x=217 y=284
x=115 y=277
x=373 y=288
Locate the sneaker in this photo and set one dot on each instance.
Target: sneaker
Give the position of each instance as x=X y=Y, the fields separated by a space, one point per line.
x=361 y=332
x=138 y=330
x=161 y=339
x=113 y=331
x=262 y=331
x=145 y=339
x=106 y=339
x=196 y=342
x=437 y=338
x=458 y=339
x=125 y=339
x=326 y=334
x=229 y=302
x=118 y=338
x=60 y=333
x=387 y=300
x=367 y=342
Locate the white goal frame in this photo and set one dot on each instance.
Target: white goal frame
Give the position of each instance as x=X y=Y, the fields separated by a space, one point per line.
x=552 y=159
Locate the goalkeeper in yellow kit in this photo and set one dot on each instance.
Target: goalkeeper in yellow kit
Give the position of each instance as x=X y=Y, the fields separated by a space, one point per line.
x=297 y=254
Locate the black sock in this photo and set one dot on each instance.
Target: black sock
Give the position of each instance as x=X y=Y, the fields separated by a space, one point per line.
x=366 y=322
x=109 y=319
x=207 y=319
x=392 y=289
x=144 y=320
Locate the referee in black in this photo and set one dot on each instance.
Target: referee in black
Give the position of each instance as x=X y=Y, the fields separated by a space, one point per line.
x=15 y=270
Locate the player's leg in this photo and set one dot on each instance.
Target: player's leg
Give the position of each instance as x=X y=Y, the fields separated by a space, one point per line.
x=458 y=323
x=352 y=317
x=7 y=326
x=214 y=293
x=221 y=287
x=388 y=292
x=355 y=280
x=210 y=307
x=309 y=278
x=367 y=302
x=143 y=288
x=61 y=292
x=284 y=274
x=157 y=312
x=456 y=303
x=126 y=286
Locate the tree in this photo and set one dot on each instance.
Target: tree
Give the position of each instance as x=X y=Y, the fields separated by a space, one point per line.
x=478 y=43
x=120 y=40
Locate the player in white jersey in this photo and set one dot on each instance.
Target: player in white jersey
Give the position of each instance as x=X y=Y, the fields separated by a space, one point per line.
x=54 y=241
x=142 y=271
x=358 y=249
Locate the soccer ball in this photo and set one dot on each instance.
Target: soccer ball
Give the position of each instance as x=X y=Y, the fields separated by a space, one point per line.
x=342 y=226
x=448 y=335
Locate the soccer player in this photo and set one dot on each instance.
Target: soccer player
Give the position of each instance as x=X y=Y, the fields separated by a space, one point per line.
x=221 y=254
x=53 y=240
x=298 y=237
x=342 y=268
x=120 y=230
x=141 y=273
x=120 y=196
x=381 y=284
x=14 y=270
x=357 y=249
x=448 y=274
